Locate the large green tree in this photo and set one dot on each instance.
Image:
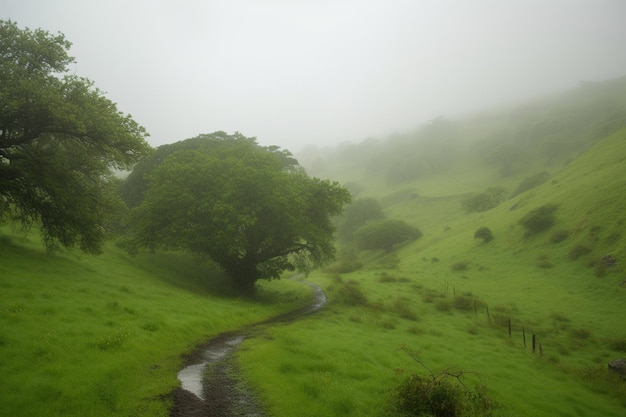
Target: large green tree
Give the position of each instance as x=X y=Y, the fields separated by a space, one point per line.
x=249 y=208
x=60 y=139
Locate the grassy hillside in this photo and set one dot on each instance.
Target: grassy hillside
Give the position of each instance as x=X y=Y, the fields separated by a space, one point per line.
x=451 y=297
x=104 y=335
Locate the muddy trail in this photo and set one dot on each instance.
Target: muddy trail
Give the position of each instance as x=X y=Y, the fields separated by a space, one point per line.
x=210 y=382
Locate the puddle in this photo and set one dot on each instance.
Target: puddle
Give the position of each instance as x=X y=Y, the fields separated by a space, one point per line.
x=195 y=378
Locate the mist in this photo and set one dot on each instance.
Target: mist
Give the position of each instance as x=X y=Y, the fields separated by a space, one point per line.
x=321 y=73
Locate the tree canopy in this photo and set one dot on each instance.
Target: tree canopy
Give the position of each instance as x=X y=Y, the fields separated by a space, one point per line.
x=60 y=138
x=249 y=208
x=384 y=234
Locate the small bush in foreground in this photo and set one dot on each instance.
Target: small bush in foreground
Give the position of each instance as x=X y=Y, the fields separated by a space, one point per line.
x=440 y=395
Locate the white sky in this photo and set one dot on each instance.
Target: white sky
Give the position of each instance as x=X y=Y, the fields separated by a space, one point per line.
x=293 y=73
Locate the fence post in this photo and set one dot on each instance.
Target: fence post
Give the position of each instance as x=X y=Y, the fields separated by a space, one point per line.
x=534 y=340
x=509 y=327
x=524 y=335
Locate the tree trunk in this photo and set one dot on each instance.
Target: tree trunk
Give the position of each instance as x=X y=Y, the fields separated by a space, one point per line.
x=243 y=275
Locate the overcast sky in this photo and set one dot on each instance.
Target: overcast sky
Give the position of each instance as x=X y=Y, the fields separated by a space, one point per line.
x=298 y=72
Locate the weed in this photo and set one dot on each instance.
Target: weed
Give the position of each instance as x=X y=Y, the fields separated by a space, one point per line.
x=463 y=302
x=402 y=308
x=385 y=277
x=443 y=305
x=581 y=333
x=544 y=262
x=350 y=294
x=618 y=345
x=460 y=265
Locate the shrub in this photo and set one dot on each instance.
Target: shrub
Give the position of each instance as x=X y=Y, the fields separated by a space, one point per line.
x=483 y=233
x=577 y=251
x=559 y=236
x=539 y=219
x=385 y=277
x=440 y=395
x=350 y=294
x=531 y=182
x=343 y=266
x=484 y=201
x=460 y=265
x=463 y=302
x=618 y=345
x=384 y=234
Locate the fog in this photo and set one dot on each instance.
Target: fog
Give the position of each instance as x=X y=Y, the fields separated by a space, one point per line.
x=294 y=73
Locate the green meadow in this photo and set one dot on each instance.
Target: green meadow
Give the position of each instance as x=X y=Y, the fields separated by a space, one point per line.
x=105 y=335
x=450 y=299
x=532 y=317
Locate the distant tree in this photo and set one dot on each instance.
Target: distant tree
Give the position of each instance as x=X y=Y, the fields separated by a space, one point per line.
x=60 y=139
x=539 y=219
x=507 y=156
x=356 y=215
x=531 y=182
x=384 y=234
x=247 y=207
x=486 y=200
x=483 y=233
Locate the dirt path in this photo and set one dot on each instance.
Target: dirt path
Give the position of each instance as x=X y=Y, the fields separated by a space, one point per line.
x=211 y=384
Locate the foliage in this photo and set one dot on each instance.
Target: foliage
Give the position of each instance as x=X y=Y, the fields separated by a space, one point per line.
x=350 y=294
x=539 y=219
x=384 y=234
x=60 y=138
x=440 y=395
x=247 y=207
x=356 y=214
x=531 y=182
x=483 y=233
x=485 y=201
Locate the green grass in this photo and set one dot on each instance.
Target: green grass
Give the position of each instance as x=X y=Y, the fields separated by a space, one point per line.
x=103 y=336
x=345 y=360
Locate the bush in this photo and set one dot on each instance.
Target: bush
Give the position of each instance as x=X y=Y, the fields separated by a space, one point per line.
x=483 y=233
x=440 y=395
x=484 y=201
x=350 y=294
x=384 y=234
x=539 y=219
x=578 y=251
x=460 y=265
x=531 y=182
x=559 y=236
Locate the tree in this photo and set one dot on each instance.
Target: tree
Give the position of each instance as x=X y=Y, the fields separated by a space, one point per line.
x=539 y=219
x=251 y=209
x=384 y=234
x=60 y=138
x=356 y=215
x=485 y=201
x=483 y=233
x=508 y=156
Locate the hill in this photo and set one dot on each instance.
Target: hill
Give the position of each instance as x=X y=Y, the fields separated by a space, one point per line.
x=535 y=312
x=105 y=335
